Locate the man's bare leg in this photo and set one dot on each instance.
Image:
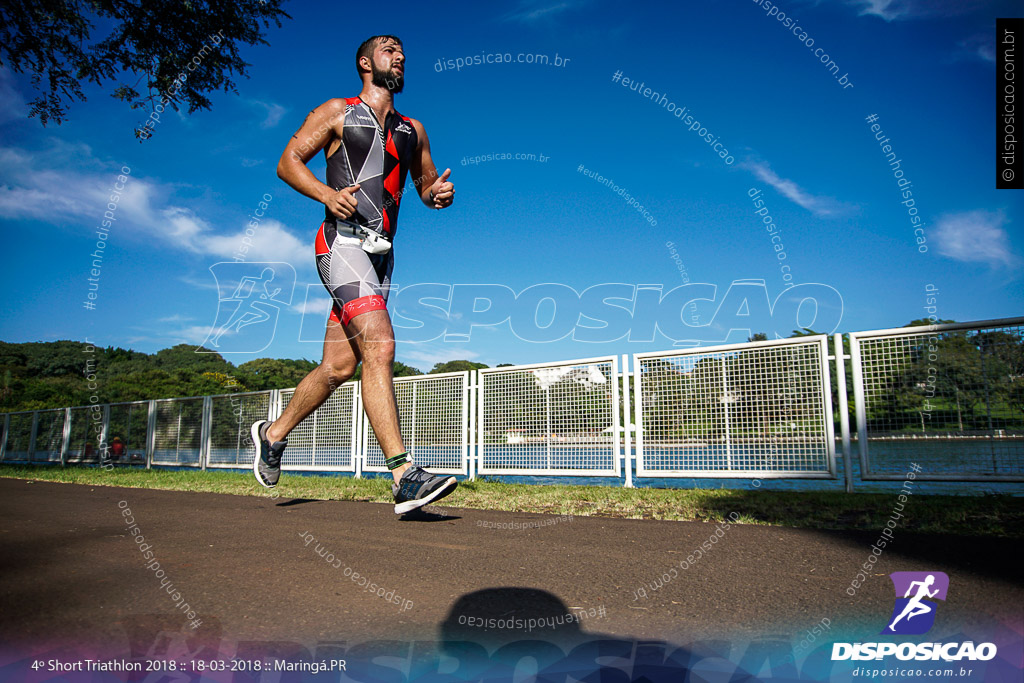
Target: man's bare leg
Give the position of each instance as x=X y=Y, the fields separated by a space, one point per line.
x=369 y=337
x=375 y=340
x=341 y=356
x=414 y=487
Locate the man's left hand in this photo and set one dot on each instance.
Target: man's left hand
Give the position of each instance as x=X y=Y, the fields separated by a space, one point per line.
x=443 y=191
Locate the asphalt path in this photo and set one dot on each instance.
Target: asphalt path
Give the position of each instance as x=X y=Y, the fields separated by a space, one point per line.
x=258 y=569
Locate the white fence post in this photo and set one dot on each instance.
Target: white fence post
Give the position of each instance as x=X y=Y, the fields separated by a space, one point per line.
x=32 y=438
x=3 y=439
x=150 y=434
x=844 y=409
x=65 y=440
x=206 y=431
x=469 y=423
x=627 y=455
x=357 y=429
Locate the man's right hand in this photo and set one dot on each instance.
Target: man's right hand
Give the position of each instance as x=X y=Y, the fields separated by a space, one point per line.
x=343 y=202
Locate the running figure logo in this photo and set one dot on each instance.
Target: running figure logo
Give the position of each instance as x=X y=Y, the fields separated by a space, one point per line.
x=914 y=612
x=249 y=301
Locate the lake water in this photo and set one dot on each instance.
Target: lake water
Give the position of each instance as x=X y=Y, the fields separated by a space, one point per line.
x=971 y=456
x=934 y=456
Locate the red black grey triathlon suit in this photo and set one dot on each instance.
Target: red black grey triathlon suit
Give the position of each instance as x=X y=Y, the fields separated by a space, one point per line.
x=378 y=159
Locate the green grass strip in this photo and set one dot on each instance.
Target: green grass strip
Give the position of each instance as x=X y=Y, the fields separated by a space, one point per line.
x=991 y=515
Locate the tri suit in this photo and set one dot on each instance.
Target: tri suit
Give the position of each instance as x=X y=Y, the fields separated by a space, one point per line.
x=378 y=159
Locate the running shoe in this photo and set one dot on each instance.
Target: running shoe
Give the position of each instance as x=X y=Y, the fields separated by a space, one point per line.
x=266 y=464
x=418 y=488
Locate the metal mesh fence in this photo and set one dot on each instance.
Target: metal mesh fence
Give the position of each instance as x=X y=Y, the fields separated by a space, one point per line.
x=86 y=431
x=128 y=425
x=178 y=438
x=433 y=418
x=947 y=397
x=325 y=439
x=550 y=419
x=755 y=409
x=19 y=437
x=49 y=436
x=230 y=424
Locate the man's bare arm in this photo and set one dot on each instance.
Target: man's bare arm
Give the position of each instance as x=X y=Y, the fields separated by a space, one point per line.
x=427 y=179
x=321 y=126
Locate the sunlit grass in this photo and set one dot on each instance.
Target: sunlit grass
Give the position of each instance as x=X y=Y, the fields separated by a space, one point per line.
x=968 y=515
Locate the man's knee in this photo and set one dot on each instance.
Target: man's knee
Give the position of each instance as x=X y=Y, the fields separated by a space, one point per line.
x=339 y=372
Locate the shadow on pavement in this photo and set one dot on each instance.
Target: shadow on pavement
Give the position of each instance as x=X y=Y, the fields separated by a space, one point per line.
x=511 y=633
x=421 y=515
x=297 y=501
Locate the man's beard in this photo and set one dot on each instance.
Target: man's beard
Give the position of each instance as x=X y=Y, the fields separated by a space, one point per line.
x=387 y=79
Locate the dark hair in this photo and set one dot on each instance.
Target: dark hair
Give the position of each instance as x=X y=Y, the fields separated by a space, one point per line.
x=369 y=45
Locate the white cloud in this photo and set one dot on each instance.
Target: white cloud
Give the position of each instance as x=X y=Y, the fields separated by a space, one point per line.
x=176 y=318
x=21 y=202
x=53 y=195
x=892 y=10
x=184 y=226
x=975 y=237
x=273 y=113
x=197 y=334
x=319 y=305
x=28 y=191
x=819 y=206
x=207 y=283
x=978 y=46
x=271 y=241
x=886 y=9
x=535 y=10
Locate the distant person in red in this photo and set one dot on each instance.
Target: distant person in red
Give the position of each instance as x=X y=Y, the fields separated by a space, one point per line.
x=89 y=451
x=117 y=448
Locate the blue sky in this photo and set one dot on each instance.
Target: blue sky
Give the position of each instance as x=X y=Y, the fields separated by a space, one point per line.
x=925 y=69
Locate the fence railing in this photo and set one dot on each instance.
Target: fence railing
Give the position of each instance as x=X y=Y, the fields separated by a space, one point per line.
x=760 y=409
x=948 y=397
x=433 y=413
x=129 y=422
x=176 y=436
x=550 y=418
x=327 y=439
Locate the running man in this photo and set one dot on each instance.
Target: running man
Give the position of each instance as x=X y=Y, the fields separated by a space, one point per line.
x=916 y=607
x=369 y=148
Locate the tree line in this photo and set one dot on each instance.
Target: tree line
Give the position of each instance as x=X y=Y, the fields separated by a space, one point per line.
x=39 y=375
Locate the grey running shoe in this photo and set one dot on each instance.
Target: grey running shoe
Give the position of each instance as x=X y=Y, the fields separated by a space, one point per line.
x=418 y=488
x=266 y=464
